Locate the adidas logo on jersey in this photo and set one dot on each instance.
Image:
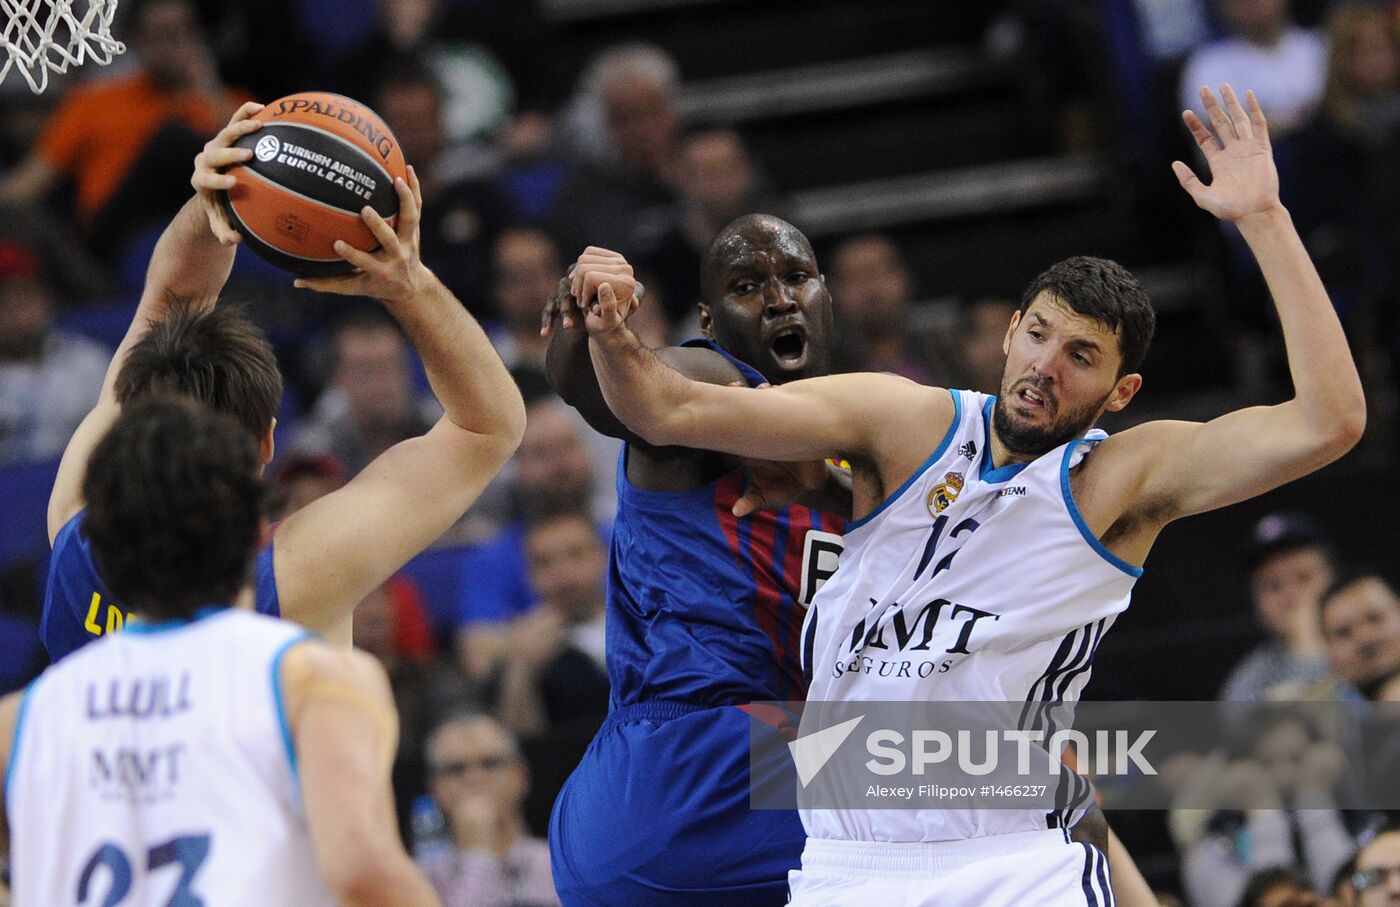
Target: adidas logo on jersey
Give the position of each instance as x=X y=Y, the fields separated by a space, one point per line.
x=969 y=450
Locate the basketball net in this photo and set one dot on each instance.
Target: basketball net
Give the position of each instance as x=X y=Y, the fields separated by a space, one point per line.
x=39 y=36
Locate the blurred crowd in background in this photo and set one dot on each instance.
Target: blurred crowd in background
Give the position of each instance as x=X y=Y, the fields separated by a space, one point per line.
x=938 y=153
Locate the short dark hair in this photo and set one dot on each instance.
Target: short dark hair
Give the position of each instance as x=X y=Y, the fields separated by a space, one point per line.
x=735 y=237
x=174 y=507
x=1261 y=882
x=1346 y=577
x=1104 y=290
x=1283 y=533
x=216 y=356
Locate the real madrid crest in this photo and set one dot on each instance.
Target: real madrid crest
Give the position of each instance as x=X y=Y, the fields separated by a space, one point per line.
x=944 y=493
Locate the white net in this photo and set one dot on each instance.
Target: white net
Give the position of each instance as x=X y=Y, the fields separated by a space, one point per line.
x=43 y=36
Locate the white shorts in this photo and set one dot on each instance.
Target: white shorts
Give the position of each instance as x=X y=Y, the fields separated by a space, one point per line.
x=1041 y=868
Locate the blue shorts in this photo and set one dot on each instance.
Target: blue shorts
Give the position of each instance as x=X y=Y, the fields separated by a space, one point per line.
x=657 y=813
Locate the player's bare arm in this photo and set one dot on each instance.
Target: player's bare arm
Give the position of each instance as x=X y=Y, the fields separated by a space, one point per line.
x=345 y=733
x=571 y=374
x=191 y=263
x=331 y=554
x=568 y=365
x=885 y=425
x=1166 y=470
x=9 y=714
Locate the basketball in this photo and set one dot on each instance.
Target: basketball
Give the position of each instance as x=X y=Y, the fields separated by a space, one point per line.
x=318 y=159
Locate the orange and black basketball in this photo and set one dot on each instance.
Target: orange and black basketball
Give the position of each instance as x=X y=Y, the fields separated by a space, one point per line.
x=317 y=161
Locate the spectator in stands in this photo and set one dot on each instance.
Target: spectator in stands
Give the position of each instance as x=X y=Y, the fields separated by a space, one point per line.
x=126 y=143
x=1278 y=788
x=552 y=473
x=1361 y=625
x=49 y=379
x=461 y=215
x=981 y=357
x=872 y=290
x=303 y=478
x=370 y=403
x=477 y=91
x=718 y=181
x=1342 y=179
x=612 y=198
x=556 y=676
x=1377 y=876
x=1290 y=565
x=1279 y=886
x=1284 y=64
x=479 y=781
x=1344 y=885
x=525 y=267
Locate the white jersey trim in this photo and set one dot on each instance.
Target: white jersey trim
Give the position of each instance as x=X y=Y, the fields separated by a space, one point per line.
x=1078 y=519
x=280 y=705
x=932 y=458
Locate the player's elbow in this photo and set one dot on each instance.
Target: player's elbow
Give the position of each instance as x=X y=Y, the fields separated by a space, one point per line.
x=500 y=433
x=1345 y=429
x=512 y=422
x=371 y=876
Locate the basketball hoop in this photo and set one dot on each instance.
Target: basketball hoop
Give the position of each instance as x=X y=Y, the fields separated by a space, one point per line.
x=39 y=36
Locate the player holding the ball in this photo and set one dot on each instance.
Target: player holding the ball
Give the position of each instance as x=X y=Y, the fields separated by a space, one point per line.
x=328 y=556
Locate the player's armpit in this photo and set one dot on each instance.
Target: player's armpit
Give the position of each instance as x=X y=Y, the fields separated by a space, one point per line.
x=332 y=553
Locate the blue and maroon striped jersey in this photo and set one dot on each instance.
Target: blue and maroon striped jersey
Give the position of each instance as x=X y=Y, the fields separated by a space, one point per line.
x=705 y=607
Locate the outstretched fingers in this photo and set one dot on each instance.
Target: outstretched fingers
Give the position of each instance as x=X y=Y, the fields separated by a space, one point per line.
x=1219 y=119
x=1239 y=120
x=1256 y=116
x=1205 y=139
x=1188 y=179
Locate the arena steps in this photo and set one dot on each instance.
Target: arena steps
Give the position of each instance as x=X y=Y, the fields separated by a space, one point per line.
x=723 y=38
x=834 y=86
x=943 y=195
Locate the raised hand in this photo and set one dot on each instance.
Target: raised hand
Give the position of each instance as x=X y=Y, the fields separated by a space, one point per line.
x=392 y=273
x=1244 y=180
x=600 y=282
x=209 y=178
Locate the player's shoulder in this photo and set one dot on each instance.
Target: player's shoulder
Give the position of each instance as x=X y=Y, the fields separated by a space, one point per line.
x=1125 y=460
x=1145 y=440
x=313 y=661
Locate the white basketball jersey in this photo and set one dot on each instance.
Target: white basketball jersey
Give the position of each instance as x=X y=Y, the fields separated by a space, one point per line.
x=154 y=768
x=969 y=583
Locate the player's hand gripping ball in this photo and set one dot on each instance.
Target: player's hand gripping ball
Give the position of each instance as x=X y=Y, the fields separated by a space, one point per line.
x=318 y=159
